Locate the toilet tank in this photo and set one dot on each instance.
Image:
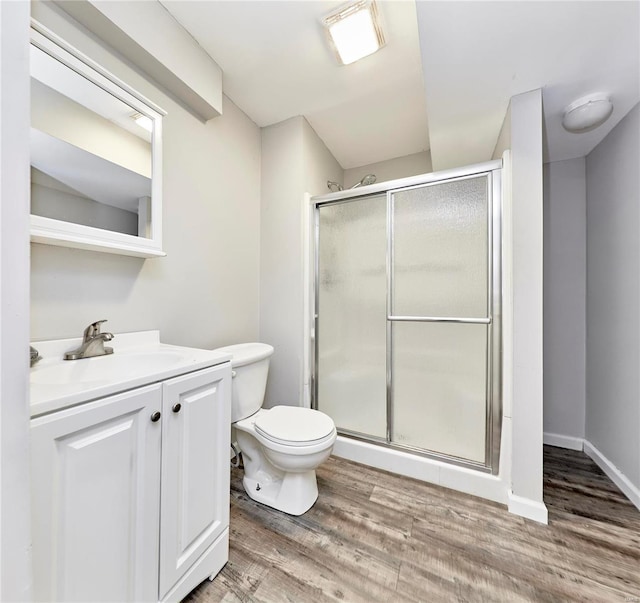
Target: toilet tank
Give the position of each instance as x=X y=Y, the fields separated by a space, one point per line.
x=250 y=366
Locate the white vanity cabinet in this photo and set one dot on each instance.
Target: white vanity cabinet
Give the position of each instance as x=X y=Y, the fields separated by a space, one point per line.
x=130 y=492
x=95 y=490
x=194 y=517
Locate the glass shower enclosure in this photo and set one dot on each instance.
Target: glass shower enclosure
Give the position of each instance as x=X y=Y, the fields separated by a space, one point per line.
x=406 y=339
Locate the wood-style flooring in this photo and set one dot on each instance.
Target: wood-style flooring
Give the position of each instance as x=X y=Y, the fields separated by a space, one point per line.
x=374 y=536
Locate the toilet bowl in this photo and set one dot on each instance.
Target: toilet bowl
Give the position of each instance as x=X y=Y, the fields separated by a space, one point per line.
x=281 y=447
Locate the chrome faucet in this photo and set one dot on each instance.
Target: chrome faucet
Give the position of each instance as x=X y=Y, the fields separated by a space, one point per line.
x=34 y=355
x=92 y=343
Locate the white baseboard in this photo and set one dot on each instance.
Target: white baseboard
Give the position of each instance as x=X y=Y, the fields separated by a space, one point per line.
x=630 y=490
x=563 y=441
x=525 y=507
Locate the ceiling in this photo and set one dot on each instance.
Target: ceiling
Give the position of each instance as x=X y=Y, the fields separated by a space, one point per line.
x=453 y=64
x=495 y=50
x=277 y=64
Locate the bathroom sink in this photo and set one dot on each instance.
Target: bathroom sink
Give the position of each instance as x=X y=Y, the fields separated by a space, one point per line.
x=105 y=368
x=138 y=359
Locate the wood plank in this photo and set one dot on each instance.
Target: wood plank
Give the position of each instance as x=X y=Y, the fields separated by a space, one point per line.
x=375 y=536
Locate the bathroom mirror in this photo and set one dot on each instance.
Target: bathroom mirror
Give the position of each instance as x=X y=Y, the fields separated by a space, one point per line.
x=95 y=155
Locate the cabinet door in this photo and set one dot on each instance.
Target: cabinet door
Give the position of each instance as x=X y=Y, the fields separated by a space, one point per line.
x=195 y=468
x=95 y=492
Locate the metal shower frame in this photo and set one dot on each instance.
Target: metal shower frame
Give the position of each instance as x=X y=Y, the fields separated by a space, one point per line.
x=493 y=320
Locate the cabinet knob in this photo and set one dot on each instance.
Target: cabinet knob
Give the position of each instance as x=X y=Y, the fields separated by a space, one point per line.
x=176 y=407
x=155 y=417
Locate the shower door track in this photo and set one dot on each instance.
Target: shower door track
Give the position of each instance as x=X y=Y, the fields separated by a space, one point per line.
x=494 y=348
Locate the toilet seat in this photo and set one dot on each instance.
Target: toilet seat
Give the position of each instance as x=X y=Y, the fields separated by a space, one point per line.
x=294 y=426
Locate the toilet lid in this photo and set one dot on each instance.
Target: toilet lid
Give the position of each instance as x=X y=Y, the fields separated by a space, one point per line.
x=293 y=425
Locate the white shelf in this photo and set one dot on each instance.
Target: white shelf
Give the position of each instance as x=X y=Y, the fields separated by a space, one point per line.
x=64 y=234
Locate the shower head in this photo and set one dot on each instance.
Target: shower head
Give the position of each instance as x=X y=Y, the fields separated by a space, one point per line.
x=334 y=186
x=366 y=181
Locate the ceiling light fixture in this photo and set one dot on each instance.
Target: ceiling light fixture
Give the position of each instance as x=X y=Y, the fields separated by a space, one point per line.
x=355 y=31
x=143 y=121
x=587 y=113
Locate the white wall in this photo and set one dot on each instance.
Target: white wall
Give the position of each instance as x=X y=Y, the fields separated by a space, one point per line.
x=526 y=188
x=565 y=249
x=503 y=142
x=398 y=167
x=613 y=297
x=319 y=164
x=280 y=258
x=205 y=293
x=294 y=162
x=52 y=199
x=15 y=542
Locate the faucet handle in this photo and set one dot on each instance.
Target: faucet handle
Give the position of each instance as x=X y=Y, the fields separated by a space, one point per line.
x=34 y=355
x=93 y=329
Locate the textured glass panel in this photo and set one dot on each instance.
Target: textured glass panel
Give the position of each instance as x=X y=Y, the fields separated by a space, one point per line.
x=439 y=387
x=352 y=315
x=440 y=250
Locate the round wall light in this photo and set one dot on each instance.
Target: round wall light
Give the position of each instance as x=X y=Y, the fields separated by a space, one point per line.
x=587 y=113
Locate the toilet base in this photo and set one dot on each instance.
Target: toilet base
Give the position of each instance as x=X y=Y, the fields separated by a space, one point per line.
x=294 y=494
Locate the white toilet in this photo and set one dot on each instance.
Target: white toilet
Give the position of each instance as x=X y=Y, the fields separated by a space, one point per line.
x=282 y=446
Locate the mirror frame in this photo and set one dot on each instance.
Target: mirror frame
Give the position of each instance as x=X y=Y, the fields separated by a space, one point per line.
x=66 y=234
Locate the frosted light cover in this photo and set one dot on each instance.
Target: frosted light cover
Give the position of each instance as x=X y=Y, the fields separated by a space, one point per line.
x=440 y=250
x=352 y=315
x=355 y=31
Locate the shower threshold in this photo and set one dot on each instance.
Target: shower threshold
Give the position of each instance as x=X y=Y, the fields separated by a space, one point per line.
x=423 y=466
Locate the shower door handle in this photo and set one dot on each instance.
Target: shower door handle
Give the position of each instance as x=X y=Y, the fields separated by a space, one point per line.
x=450 y=319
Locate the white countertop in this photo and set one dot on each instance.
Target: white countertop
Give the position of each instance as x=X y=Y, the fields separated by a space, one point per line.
x=138 y=359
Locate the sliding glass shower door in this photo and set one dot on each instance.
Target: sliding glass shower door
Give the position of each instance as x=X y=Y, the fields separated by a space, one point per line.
x=406 y=336
x=352 y=314
x=438 y=314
